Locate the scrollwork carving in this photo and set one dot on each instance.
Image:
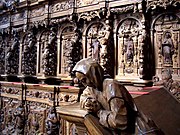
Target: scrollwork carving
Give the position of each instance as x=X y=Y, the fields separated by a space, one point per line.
x=161 y=3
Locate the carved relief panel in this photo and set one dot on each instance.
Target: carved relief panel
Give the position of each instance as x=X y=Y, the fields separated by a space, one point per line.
x=129 y=44
x=36 y=121
x=29 y=54
x=166 y=43
x=47 y=53
x=2 y=55
x=12 y=55
x=70 y=47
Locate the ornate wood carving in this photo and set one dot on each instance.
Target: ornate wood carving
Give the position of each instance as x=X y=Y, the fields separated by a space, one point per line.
x=2 y=55
x=130 y=47
x=12 y=55
x=153 y=4
x=48 y=53
x=166 y=41
x=29 y=54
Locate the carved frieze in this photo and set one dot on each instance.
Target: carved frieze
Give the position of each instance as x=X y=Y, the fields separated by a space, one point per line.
x=153 y=4
x=4 y=20
x=123 y=9
x=86 y=2
x=64 y=5
x=89 y=15
x=17 y=17
x=37 y=12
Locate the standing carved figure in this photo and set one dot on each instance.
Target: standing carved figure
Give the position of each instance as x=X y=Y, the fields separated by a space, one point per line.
x=19 y=120
x=167 y=48
x=52 y=123
x=129 y=49
x=107 y=99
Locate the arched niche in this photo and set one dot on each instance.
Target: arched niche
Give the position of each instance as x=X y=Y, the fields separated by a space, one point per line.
x=12 y=54
x=166 y=38
x=129 y=49
x=47 y=53
x=28 y=54
x=91 y=43
x=67 y=37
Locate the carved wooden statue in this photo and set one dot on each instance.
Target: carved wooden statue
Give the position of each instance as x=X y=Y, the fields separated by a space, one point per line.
x=52 y=122
x=167 y=81
x=108 y=99
x=167 y=48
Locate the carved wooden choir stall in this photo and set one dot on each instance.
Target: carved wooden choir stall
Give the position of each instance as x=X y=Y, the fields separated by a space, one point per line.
x=136 y=43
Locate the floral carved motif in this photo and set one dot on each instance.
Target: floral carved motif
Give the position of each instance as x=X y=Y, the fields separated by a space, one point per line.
x=62 y=6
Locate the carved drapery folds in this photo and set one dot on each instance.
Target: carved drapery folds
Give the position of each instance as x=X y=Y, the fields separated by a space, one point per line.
x=130 y=45
x=12 y=55
x=166 y=42
x=29 y=54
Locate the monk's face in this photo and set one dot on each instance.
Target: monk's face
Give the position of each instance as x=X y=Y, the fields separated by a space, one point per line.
x=83 y=79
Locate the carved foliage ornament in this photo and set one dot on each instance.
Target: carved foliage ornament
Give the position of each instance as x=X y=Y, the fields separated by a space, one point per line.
x=89 y=15
x=62 y=6
x=153 y=4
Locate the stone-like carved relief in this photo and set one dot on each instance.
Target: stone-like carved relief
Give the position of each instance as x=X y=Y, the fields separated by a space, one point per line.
x=4 y=20
x=9 y=118
x=166 y=42
x=123 y=9
x=98 y=47
x=71 y=49
x=29 y=55
x=89 y=15
x=62 y=6
x=86 y=2
x=167 y=81
x=19 y=120
x=37 y=12
x=36 y=121
x=11 y=4
x=52 y=122
x=93 y=42
x=17 y=17
x=167 y=48
x=160 y=3
x=2 y=55
x=12 y=55
x=130 y=46
x=129 y=49
x=48 y=53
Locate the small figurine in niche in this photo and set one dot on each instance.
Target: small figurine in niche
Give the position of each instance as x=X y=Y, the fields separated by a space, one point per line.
x=52 y=122
x=167 y=48
x=110 y=101
x=129 y=49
